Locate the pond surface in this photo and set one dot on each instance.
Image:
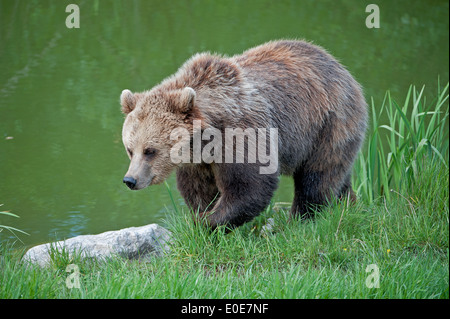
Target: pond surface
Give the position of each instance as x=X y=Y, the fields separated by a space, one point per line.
x=61 y=154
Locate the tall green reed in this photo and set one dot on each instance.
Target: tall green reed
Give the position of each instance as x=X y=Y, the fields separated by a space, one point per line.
x=415 y=134
x=12 y=230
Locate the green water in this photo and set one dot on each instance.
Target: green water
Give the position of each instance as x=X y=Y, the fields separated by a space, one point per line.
x=61 y=155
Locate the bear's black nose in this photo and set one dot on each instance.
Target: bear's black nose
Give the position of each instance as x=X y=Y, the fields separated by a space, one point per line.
x=130 y=181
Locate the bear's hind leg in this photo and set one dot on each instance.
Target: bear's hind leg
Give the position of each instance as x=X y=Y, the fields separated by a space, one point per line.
x=347 y=190
x=307 y=194
x=315 y=188
x=326 y=173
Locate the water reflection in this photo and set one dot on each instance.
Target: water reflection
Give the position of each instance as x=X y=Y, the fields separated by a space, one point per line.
x=72 y=223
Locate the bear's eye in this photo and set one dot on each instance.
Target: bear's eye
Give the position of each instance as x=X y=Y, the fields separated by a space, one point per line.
x=149 y=151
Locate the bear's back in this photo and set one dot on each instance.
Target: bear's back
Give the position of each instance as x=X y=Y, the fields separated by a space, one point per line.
x=305 y=87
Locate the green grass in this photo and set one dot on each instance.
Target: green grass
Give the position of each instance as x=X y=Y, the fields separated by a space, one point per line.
x=407 y=239
x=400 y=225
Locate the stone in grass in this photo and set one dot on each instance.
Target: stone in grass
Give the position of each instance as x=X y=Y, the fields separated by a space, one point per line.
x=129 y=243
x=267 y=229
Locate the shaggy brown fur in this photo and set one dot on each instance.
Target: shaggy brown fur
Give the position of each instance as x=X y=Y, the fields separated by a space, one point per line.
x=294 y=86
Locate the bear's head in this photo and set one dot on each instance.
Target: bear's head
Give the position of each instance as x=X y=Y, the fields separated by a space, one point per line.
x=150 y=119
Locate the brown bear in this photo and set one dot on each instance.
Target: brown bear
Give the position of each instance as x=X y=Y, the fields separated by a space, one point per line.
x=315 y=106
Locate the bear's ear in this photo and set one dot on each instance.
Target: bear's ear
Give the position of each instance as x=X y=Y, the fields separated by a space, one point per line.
x=186 y=101
x=128 y=101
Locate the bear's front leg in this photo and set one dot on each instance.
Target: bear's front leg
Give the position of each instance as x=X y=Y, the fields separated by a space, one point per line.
x=197 y=185
x=244 y=194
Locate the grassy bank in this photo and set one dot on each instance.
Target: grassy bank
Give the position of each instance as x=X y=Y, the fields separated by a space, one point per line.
x=399 y=229
x=407 y=240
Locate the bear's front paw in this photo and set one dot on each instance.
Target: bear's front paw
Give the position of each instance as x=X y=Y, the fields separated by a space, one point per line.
x=205 y=218
x=200 y=218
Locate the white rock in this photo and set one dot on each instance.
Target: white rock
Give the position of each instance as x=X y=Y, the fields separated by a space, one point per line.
x=267 y=229
x=129 y=243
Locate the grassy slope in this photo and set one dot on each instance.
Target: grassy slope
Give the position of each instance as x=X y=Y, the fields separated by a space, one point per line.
x=407 y=239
